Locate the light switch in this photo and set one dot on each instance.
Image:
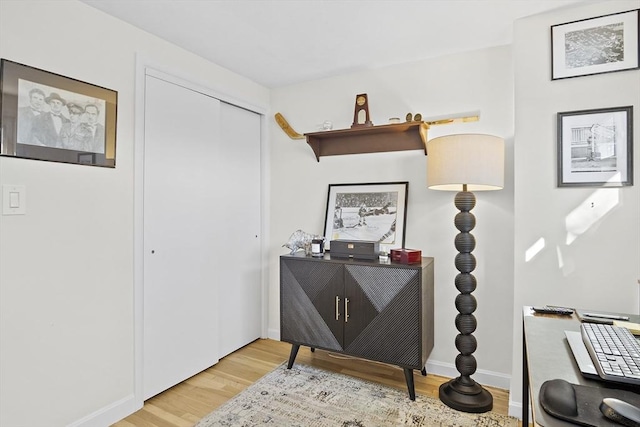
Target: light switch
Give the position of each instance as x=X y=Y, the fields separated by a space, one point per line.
x=14 y=199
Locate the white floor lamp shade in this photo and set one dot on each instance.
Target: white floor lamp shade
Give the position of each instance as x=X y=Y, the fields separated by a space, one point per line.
x=465 y=163
x=473 y=159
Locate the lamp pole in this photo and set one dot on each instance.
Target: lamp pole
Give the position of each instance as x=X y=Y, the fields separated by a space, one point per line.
x=463 y=393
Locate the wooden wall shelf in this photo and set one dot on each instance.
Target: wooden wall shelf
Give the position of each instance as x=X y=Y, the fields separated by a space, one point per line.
x=369 y=139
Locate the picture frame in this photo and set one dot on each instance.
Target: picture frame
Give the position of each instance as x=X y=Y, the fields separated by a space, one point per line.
x=367 y=212
x=595 y=147
x=604 y=44
x=50 y=117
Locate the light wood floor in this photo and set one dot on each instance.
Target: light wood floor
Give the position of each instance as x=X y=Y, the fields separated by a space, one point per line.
x=186 y=403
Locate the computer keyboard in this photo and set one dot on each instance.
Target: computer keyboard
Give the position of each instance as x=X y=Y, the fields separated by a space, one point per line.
x=615 y=352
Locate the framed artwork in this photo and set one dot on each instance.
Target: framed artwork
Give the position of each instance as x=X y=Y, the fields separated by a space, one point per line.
x=367 y=212
x=596 y=45
x=46 y=116
x=595 y=147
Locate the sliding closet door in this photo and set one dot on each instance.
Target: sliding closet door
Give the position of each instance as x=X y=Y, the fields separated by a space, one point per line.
x=239 y=229
x=182 y=208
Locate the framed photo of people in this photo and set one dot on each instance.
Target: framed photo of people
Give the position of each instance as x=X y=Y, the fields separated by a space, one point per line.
x=46 y=116
x=367 y=212
x=595 y=147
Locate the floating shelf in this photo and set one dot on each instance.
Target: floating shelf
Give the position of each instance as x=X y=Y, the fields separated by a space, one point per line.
x=369 y=139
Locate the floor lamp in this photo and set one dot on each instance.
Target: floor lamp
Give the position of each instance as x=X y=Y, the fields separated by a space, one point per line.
x=465 y=163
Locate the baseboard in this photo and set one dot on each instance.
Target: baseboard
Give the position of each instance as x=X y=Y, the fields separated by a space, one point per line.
x=273 y=334
x=488 y=378
x=109 y=414
x=515 y=409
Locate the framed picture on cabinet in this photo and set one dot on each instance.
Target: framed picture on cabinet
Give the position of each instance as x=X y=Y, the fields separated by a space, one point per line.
x=367 y=212
x=595 y=147
x=597 y=45
x=46 y=116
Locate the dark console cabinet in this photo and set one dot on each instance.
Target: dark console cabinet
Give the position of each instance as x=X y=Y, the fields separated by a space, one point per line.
x=367 y=309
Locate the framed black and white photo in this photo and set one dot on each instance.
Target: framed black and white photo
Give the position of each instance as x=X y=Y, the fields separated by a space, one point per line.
x=595 y=147
x=367 y=212
x=46 y=116
x=596 y=45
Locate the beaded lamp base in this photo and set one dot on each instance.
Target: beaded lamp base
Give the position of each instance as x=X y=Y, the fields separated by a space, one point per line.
x=463 y=393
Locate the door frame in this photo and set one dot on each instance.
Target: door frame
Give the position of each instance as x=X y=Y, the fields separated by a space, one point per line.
x=146 y=66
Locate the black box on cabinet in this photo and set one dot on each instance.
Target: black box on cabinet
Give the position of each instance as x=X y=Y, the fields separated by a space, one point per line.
x=361 y=249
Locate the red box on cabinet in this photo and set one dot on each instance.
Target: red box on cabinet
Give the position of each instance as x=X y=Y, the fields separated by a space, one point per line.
x=406 y=256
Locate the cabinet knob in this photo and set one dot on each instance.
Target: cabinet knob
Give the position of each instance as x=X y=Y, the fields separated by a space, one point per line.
x=346 y=310
x=337 y=307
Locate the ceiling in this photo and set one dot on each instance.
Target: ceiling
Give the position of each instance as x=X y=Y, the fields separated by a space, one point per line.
x=282 y=42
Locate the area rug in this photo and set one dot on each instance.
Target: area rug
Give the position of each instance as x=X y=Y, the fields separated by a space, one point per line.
x=305 y=396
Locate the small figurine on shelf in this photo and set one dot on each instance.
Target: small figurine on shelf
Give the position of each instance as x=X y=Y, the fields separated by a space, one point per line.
x=361 y=112
x=301 y=240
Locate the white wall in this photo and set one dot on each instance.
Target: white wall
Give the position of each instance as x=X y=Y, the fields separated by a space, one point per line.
x=600 y=268
x=480 y=81
x=67 y=266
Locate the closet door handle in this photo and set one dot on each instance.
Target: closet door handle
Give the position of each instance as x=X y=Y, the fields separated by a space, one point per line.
x=346 y=310
x=337 y=307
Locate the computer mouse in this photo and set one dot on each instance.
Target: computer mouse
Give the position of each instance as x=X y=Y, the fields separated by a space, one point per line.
x=620 y=411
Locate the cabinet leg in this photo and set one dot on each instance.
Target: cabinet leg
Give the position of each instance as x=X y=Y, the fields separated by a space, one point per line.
x=423 y=371
x=408 y=375
x=292 y=355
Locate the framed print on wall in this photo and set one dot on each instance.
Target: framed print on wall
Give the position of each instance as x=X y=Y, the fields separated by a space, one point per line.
x=367 y=212
x=595 y=147
x=597 y=45
x=46 y=116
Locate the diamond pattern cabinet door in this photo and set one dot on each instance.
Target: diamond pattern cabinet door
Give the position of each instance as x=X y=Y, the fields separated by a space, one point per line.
x=390 y=308
x=308 y=291
x=385 y=314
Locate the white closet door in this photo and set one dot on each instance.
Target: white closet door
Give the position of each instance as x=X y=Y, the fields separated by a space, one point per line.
x=239 y=230
x=181 y=234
